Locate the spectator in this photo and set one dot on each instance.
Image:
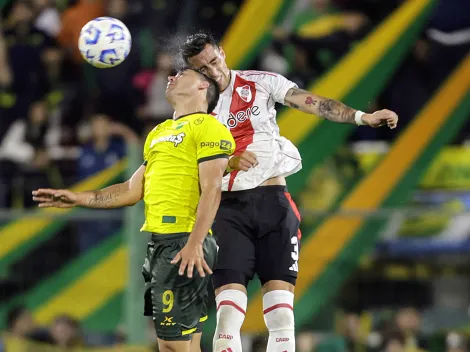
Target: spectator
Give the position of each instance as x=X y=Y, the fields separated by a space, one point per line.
x=408 y=322
x=105 y=147
x=116 y=95
x=25 y=45
x=394 y=342
x=65 y=332
x=153 y=84
x=20 y=323
x=47 y=18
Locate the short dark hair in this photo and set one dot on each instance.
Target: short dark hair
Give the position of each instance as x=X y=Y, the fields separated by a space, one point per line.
x=213 y=91
x=14 y=314
x=196 y=43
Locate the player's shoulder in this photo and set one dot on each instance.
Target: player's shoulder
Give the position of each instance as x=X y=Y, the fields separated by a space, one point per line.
x=256 y=76
x=161 y=126
x=204 y=119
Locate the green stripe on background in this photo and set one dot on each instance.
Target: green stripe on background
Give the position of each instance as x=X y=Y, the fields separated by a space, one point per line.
x=21 y=235
x=65 y=277
x=3 y=3
x=327 y=137
x=251 y=23
x=109 y=317
x=325 y=244
x=94 y=287
x=337 y=271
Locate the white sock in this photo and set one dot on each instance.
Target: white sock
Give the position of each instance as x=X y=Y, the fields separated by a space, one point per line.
x=231 y=309
x=278 y=309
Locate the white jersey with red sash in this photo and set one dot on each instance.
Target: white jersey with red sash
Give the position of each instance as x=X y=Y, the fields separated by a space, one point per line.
x=246 y=107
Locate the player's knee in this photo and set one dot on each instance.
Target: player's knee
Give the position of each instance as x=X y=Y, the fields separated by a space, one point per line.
x=231 y=308
x=278 y=310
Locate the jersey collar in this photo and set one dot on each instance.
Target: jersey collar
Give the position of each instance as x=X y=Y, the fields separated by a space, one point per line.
x=192 y=113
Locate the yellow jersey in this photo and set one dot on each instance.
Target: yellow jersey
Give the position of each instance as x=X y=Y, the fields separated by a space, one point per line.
x=172 y=152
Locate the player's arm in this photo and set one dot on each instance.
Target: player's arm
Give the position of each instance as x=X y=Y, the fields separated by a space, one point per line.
x=119 y=195
x=336 y=111
x=210 y=180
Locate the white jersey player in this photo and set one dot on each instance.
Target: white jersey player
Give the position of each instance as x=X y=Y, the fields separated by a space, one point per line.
x=257 y=225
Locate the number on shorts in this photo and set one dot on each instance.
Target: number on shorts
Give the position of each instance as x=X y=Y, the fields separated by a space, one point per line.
x=295 y=254
x=168 y=298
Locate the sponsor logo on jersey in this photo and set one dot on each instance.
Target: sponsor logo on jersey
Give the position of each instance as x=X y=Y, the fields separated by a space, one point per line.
x=199 y=120
x=223 y=145
x=176 y=139
x=245 y=93
x=242 y=115
x=181 y=124
x=168 y=322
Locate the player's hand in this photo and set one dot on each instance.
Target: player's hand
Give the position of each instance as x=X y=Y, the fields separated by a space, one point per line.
x=192 y=255
x=381 y=118
x=55 y=198
x=243 y=162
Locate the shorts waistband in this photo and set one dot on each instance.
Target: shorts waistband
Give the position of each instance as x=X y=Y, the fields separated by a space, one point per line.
x=256 y=190
x=158 y=237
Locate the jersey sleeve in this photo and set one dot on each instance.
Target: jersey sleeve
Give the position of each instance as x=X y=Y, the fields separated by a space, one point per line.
x=279 y=86
x=213 y=140
x=147 y=146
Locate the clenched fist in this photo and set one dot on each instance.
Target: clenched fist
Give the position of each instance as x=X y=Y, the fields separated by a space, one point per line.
x=381 y=118
x=243 y=162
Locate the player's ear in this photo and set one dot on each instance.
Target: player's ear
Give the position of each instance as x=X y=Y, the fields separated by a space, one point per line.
x=222 y=52
x=203 y=84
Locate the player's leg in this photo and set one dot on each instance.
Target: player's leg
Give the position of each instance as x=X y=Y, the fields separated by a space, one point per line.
x=277 y=267
x=177 y=300
x=196 y=342
x=235 y=267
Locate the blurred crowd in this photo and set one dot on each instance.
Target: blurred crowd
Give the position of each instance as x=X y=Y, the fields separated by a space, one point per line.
x=62 y=120
x=398 y=331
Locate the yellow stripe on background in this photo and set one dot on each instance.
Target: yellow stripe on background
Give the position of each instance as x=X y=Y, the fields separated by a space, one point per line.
x=249 y=26
x=322 y=26
x=339 y=81
x=89 y=292
x=22 y=230
x=327 y=242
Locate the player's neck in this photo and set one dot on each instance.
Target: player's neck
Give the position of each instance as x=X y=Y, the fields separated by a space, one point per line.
x=228 y=81
x=184 y=108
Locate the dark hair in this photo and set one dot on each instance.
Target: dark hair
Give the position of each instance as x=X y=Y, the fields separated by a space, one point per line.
x=213 y=91
x=196 y=43
x=13 y=315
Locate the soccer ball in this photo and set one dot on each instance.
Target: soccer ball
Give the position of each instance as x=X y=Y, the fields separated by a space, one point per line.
x=105 y=42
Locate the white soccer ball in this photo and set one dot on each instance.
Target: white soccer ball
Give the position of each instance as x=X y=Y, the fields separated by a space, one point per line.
x=105 y=42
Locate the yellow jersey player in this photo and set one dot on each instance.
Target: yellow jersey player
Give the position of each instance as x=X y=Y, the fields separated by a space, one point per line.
x=180 y=183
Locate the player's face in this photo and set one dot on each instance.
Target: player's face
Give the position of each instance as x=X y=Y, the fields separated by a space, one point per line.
x=211 y=61
x=184 y=83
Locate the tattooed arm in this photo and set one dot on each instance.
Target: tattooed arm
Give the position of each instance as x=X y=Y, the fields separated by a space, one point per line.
x=336 y=111
x=115 y=196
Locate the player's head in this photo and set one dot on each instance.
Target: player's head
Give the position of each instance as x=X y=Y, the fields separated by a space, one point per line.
x=190 y=84
x=202 y=52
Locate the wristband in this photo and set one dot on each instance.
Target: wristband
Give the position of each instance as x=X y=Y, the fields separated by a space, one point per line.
x=358 y=118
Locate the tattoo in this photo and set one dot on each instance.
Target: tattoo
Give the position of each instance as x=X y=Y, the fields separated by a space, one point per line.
x=310 y=101
x=104 y=198
x=335 y=111
x=328 y=109
x=292 y=105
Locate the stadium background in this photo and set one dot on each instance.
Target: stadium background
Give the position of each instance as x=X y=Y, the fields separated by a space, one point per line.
x=386 y=226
